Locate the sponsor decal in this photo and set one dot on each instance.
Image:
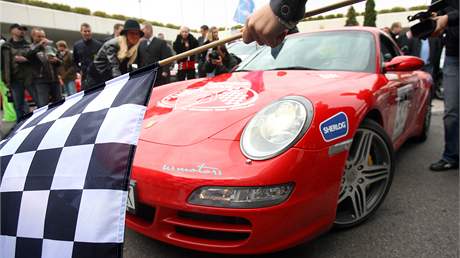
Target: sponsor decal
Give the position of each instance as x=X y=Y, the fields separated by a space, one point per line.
x=221 y=96
x=334 y=127
x=202 y=169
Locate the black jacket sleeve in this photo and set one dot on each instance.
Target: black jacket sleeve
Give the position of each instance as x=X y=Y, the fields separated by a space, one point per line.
x=178 y=46
x=453 y=18
x=289 y=10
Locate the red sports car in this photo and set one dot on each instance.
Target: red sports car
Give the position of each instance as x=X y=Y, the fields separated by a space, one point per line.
x=300 y=138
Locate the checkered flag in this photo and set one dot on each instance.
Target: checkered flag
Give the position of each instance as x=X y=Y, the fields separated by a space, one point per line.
x=65 y=173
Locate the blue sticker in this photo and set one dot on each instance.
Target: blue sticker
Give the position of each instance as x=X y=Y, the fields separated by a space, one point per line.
x=335 y=127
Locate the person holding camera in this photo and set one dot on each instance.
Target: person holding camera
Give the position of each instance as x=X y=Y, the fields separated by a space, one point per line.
x=186 y=66
x=448 y=24
x=219 y=61
x=45 y=64
x=16 y=69
x=117 y=56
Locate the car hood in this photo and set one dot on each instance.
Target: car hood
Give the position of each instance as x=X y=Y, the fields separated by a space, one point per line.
x=185 y=113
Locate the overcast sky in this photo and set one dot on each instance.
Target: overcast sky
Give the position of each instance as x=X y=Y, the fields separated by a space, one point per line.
x=194 y=13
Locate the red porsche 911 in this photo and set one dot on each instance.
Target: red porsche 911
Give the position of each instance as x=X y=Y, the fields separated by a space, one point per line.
x=298 y=139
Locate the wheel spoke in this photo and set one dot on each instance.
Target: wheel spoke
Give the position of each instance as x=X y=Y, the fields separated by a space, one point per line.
x=343 y=195
x=364 y=147
x=375 y=173
x=359 y=201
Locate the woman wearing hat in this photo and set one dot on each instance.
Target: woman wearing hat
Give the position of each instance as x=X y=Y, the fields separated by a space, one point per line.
x=117 y=56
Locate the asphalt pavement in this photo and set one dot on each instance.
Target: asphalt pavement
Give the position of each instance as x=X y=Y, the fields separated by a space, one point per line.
x=419 y=218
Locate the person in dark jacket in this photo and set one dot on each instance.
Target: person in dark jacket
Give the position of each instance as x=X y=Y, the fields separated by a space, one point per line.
x=447 y=23
x=219 y=61
x=45 y=63
x=16 y=69
x=396 y=33
x=152 y=50
x=204 y=30
x=67 y=71
x=84 y=52
x=117 y=56
x=184 y=42
x=429 y=50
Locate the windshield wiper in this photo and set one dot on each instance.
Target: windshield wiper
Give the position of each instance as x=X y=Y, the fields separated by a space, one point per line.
x=293 y=68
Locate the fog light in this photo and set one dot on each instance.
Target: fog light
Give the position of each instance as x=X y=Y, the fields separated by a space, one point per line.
x=241 y=197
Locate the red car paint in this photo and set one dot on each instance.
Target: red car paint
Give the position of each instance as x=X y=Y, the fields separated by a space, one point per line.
x=197 y=130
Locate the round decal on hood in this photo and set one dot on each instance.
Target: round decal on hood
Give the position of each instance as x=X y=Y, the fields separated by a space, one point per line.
x=221 y=96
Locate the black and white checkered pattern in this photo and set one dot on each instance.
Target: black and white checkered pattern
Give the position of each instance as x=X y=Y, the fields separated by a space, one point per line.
x=65 y=173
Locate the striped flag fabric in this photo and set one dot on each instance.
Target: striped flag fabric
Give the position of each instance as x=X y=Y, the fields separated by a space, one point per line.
x=65 y=172
x=244 y=9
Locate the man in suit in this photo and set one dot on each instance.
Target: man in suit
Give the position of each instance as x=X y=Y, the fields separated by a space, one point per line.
x=153 y=49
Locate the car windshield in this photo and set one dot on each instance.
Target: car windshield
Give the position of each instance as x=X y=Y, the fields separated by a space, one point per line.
x=239 y=48
x=338 y=51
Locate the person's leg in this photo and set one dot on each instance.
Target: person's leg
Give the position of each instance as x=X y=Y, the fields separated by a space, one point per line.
x=43 y=94
x=32 y=90
x=191 y=74
x=451 y=113
x=181 y=74
x=70 y=88
x=55 y=91
x=17 y=90
x=451 y=109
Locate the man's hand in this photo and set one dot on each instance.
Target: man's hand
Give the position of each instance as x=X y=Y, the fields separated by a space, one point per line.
x=20 y=59
x=264 y=27
x=164 y=74
x=441 y=25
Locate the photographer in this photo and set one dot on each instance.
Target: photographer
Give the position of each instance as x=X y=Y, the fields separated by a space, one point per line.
x=448 y=23
x=219 y=61
x=44 y=62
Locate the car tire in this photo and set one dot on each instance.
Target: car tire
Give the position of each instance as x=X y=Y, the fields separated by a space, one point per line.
x=367 y=177
x=426 y=125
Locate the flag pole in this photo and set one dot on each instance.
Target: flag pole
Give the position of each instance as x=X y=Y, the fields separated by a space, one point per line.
x=216 y=43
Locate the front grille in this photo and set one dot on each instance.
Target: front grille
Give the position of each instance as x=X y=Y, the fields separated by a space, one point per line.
x=211 y=235
x=214 y=218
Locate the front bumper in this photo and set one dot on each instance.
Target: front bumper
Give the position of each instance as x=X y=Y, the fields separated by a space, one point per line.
x=165 y=215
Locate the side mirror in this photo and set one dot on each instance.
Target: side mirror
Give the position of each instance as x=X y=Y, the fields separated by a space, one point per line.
x=403 y=64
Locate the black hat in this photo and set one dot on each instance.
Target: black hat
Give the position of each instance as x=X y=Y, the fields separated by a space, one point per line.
x=15 y=25
x=131 y=25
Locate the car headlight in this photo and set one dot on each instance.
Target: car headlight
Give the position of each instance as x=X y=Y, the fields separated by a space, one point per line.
x=241 y=197
x=276 y=128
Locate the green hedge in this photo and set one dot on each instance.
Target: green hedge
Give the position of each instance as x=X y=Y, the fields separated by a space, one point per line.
x=86 y=11
x=419 y=8
x=396 y=9
x=101 y=14
x=81 y=10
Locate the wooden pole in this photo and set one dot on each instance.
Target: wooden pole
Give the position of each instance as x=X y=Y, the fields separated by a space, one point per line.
x=237 y=36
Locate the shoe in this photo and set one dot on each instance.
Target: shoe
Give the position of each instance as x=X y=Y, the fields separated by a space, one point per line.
x=443 y=165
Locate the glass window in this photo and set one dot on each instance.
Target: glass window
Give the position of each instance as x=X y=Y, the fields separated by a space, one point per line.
x=338 y=51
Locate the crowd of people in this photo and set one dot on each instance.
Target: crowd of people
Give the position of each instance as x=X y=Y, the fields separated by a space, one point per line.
x=47 y=70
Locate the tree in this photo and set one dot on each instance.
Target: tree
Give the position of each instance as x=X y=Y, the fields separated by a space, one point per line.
x=351 y=17
x=370 y=16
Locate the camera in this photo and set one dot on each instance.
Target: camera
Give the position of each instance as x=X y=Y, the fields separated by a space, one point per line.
x=426 y=26
x=214 y=55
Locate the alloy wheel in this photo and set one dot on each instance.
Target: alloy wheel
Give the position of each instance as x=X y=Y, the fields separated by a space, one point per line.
x=366 y=180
